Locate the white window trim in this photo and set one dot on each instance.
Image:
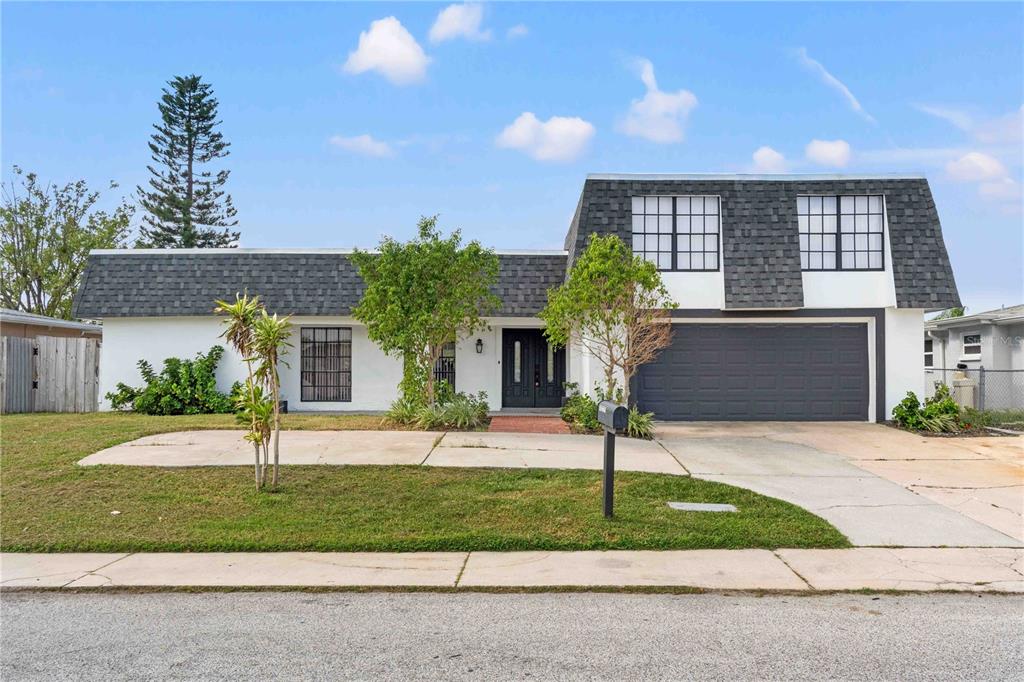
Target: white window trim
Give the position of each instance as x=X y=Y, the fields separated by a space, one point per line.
x=964 y=355
x=930 y=354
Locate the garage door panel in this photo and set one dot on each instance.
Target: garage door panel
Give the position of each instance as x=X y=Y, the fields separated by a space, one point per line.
x=759 y=372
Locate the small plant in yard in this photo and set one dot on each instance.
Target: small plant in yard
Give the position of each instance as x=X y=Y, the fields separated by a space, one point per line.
x=181 y=387
x=259 y=338
x=640 y=424
x=938 y=414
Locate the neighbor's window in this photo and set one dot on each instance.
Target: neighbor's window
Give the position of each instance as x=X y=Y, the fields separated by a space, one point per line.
x=971 y=346
x=841 y=232
x=929 y=356
x=326 y=357
x=677 y=233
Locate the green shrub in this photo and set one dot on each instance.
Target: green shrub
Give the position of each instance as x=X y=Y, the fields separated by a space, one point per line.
x=1013 y=419
x=403 y=411
x=580 y=412
x=908 y=412
x=181 y=387
x=938 y=414
x=458 y=411
x=640 y=424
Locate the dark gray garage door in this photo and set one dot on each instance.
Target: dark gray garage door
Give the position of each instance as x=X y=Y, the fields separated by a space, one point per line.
x=800 y=372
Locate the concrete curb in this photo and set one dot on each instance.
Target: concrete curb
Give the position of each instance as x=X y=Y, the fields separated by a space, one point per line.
x=786 y=570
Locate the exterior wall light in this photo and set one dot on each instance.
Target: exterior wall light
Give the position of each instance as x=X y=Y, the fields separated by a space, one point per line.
x=479 y=346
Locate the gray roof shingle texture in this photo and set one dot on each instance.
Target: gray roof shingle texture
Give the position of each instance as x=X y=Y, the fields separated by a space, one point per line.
x=760 y=241
x=161 y=284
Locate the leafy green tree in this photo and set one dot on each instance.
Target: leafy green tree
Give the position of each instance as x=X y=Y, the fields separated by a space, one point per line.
x=186 y=206
x=422 y=294
x=951 y=313
x=46 y=233
x=613 y=306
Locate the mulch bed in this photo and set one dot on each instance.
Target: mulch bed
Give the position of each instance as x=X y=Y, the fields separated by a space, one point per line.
x=976 y=432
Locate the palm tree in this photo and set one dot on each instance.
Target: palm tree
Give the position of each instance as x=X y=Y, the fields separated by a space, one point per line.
x=270 y=336
x=238 y=333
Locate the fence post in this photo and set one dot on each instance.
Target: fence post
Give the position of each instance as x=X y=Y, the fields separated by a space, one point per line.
x=981 y=388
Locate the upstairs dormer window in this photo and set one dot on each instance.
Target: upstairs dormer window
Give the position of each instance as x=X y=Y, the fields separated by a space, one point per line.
x=678 y=233
x=842 y=232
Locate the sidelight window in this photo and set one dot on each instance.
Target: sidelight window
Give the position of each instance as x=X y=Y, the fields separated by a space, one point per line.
x=517 y=362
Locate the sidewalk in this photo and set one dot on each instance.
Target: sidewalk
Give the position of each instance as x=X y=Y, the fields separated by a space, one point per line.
x=908 y=569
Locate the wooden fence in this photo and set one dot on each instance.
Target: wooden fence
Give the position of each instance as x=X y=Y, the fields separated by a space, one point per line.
x=49 y=374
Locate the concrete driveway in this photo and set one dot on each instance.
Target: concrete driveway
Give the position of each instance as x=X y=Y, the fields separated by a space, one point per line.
x=878 y=485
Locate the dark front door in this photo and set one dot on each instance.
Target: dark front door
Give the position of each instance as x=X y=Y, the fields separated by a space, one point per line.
x=532 y=372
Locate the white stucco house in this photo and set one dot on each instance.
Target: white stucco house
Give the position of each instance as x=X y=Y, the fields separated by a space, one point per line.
x=801 y=298
x=979 y=356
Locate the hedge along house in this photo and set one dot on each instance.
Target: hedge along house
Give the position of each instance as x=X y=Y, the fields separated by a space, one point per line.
x=801 y=298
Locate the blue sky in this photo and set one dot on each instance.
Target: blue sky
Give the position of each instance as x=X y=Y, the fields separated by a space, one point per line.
x=348 y=121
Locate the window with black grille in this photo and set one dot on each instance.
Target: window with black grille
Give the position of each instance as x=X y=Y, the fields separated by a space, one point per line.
x=841 y=232
x=444 y=369
x=326 y=364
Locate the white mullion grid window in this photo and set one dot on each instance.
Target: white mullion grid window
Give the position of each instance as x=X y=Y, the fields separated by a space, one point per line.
x=652 y=230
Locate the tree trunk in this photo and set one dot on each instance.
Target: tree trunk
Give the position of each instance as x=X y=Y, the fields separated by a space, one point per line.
x=277 y=427
x=259 y=481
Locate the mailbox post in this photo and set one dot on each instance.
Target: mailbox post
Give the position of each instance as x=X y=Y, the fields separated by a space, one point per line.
x=613 y=417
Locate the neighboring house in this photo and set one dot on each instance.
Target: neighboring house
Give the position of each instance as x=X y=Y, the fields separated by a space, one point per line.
x=801 y=298
x=30 y=325
x=993 y=339
x=980 y=357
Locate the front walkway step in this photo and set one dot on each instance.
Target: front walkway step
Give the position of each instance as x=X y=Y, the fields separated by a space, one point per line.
x=528 y=424
x=798 y=570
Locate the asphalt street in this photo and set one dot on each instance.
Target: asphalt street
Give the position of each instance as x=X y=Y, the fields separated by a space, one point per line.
x=49 y=636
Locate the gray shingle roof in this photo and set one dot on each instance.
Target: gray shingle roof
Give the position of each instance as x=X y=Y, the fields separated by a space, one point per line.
x=167 y=283
x=760 y=243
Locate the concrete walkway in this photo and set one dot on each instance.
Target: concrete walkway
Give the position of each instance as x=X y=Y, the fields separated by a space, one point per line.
x=969 y=570
x=878 y=485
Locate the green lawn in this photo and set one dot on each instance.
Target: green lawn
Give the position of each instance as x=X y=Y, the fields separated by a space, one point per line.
x=47 y=503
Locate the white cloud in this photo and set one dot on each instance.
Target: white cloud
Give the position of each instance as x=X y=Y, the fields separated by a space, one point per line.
x=1004 y=189
x=976 y=167
x=364 y=145
x=957 y=118
x=459 y=21
x=828 y=152
x=386 y=47
x=834 y=83
x=1008 y=129
x=517 y=31
x=659 y=116
x=1002 y=130
x=560 y=138
x=767 y=160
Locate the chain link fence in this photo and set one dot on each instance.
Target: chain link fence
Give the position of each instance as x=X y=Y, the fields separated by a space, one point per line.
x=982 y=389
